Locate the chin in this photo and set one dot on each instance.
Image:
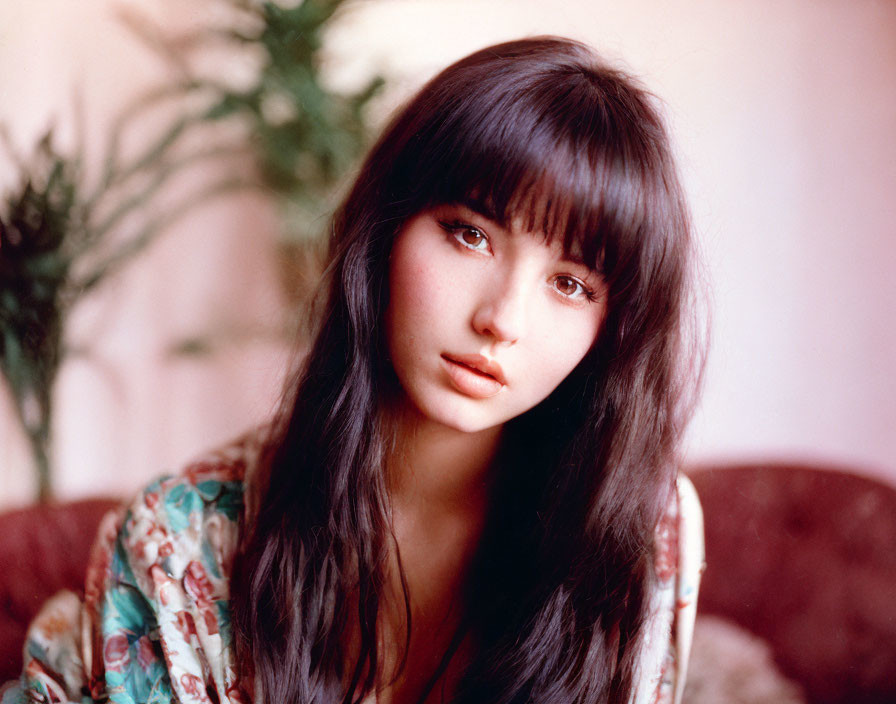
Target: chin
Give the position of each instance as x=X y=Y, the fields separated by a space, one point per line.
x=459 y=415
x=470 y=425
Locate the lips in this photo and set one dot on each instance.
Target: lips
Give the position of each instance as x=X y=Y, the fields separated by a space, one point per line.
x=474 y=375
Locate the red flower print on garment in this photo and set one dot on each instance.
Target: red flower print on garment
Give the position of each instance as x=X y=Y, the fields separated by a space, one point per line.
x=166 y=549
x=210 y=618
x=200 y=588
x=194 y=687
x=666 y=562
x=162 y=583
x=197 y=583
x=115 y=652
x=222 y=537
x=146 y=655
x=185 y=625
x=664 y=691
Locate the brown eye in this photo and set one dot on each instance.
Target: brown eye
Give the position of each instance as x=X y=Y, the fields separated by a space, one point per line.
x=570 y=287
x=472 y=238
x=467 y=236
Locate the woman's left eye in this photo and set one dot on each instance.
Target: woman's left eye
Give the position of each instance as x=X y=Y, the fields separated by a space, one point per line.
x=572 y=288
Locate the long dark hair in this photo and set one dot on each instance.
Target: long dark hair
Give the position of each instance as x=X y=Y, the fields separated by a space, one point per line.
x=538 y=129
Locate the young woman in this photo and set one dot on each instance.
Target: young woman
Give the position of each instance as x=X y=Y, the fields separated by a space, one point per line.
x=472 y=494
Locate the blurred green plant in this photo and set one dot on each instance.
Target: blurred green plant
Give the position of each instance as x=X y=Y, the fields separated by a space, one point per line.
x=304 y=138
x=61 y=237
x=35 y=260
x=59 y=240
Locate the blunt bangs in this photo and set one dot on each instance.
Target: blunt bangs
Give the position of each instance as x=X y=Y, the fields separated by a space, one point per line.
x=556 y=151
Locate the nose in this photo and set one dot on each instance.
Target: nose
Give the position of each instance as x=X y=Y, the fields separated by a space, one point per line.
x=502 y=311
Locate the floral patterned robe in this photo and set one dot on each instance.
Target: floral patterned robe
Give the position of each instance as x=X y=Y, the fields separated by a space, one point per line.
x=154 y=624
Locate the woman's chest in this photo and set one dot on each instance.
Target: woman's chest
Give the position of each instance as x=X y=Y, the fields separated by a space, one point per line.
x=423 y=644
x=432 y=669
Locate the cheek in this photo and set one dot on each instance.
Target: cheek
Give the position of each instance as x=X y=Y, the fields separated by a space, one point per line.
x=420 y=293
x=428 y=289
x=566 y=345
x=414 y=294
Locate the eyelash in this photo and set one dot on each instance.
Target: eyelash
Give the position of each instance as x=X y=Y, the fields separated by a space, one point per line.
x=456 y=228
x=587 y=293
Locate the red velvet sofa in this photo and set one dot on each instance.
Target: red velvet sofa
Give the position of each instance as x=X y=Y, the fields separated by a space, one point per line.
x=43 y=549
x=803 y=557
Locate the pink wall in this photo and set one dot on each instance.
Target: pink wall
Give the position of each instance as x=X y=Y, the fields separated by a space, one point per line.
x=784 y=116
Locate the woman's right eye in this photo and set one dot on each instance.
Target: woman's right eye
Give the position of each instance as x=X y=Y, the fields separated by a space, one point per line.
x=467 y=236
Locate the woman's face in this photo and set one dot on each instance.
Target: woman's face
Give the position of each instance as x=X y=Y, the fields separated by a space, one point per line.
x=484 y=322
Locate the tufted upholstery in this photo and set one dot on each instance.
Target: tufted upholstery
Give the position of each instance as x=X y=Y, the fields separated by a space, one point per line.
x=805 y=558
x=42 y=549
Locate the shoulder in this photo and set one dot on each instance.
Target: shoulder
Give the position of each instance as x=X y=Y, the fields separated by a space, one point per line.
x=154 y=624
x=679 y=536
x=167 y=577
x=183 y=519
x=173 y=546
x=691 y=564
x=692 y=555
x=678 y=565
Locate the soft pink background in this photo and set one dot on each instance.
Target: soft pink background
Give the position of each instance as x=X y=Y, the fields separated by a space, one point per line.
x=784 y=116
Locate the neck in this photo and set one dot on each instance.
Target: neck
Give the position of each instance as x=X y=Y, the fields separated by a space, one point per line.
x=439 y=483
x=439 y=470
